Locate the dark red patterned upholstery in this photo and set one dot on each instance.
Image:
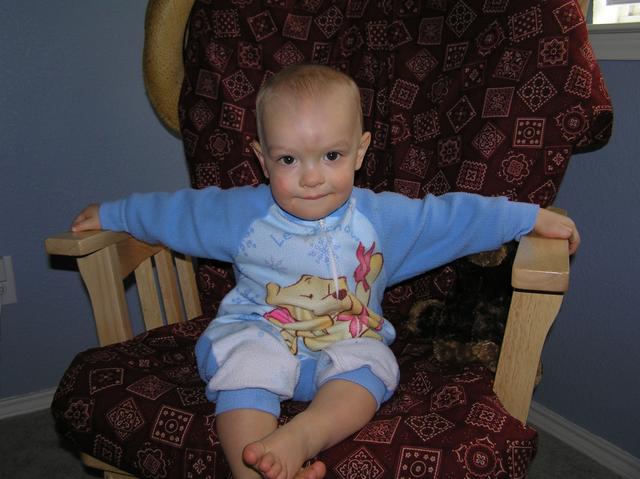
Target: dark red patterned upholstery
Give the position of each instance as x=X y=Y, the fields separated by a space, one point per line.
x=487 y=96
x=140 y=406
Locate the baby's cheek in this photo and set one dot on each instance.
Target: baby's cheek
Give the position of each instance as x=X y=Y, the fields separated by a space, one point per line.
x=282 y=191
x=282 y=186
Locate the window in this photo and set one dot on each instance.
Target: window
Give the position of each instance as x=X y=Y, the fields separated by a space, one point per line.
x=614 y=29
x=611 y=12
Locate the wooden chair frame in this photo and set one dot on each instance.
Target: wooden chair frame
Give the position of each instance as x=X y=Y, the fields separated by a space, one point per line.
x=540 y=277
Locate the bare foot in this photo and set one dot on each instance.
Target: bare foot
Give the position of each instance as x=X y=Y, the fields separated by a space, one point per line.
x=279 y=456
x=282 y=453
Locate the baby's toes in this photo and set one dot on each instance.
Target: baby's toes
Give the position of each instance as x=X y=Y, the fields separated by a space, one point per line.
x=253 y=453
x=269 y=466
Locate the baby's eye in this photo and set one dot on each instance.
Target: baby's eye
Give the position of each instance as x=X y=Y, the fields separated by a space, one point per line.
x=287 y=160
x=332 y=156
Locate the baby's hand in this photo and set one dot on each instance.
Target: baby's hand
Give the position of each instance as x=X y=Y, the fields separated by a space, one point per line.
x=554 y=225
x=87 y=219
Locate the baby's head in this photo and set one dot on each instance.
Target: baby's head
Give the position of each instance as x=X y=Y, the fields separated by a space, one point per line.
x=311 y=141
x=302 y=82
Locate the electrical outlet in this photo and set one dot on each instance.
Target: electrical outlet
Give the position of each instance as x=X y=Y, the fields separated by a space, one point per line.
x=3 y=271
x=7 y=281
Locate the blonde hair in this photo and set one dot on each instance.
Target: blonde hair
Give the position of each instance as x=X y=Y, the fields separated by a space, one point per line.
x=304 y=81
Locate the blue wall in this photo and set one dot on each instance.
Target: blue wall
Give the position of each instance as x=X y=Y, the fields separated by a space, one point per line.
x=77 y=128
x=592 y=355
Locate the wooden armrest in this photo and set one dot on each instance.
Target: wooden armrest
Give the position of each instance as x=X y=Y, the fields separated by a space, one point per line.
x=82 y=244
x=540 y=276
x=541 y=264
x=129 y=251
x=106 y=258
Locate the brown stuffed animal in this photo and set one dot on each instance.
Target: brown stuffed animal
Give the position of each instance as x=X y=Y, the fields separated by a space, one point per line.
x=468 y=326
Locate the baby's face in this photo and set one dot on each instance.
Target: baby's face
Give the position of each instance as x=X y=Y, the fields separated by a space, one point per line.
x=311 y=150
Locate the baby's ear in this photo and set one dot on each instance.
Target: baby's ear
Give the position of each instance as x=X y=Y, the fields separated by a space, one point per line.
x=365 y=140
x=257 y=150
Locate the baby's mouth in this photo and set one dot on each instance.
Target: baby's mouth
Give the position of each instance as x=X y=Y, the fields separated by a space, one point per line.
x=315 y=197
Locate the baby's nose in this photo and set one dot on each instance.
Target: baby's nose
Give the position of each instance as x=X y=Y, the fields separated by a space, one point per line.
x=311 y=176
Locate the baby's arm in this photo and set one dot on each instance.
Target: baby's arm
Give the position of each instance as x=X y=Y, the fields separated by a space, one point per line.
x=554 y=225
x=206 y=223
x=87 y=219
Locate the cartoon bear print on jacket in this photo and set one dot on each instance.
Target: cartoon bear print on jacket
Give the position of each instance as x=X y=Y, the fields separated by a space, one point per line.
x=321 y=311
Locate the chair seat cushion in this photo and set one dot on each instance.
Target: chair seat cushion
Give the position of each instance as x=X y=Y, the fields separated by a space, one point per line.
x=140 y=406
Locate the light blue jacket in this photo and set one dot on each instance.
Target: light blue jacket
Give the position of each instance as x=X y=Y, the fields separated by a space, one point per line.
x=319 y=281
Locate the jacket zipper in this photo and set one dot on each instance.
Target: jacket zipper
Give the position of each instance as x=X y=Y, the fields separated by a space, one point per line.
x=332 y=259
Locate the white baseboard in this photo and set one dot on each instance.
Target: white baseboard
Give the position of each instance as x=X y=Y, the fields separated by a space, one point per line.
x=610 y=456
x=17 y=405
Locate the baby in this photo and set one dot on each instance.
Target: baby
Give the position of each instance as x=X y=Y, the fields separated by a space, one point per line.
x=312 y=257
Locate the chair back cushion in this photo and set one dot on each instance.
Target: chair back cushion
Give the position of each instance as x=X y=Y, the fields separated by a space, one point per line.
x=483 y=96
